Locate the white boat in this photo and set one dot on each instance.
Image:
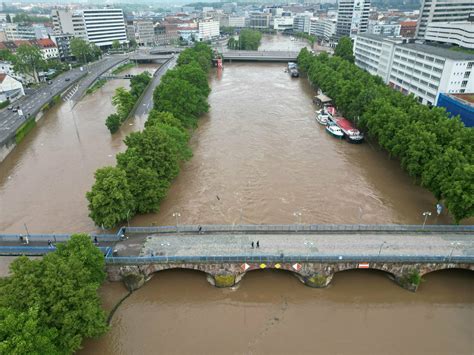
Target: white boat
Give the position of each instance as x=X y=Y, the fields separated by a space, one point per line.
x=334 y=130
x=322 y=117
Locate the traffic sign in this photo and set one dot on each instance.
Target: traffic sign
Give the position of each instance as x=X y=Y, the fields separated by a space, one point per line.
x=363 y=265
x=263 y=266
x=277 y=266
x=296 y=266
x=245 y=266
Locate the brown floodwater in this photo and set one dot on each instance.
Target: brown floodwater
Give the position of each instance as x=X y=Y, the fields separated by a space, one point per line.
x=259 y=157
x=44 y=179
x=271 y=312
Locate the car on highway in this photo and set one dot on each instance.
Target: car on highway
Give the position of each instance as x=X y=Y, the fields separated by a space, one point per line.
x=10 y=108
x=16 y=108
x=67 y=79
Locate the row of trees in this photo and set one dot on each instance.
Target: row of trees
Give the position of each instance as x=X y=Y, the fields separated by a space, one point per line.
x=310 y=38
x=48 y=305
x=434 y=149
x=124 y=100
x=143 y=174
x=248 y=40
x=83 y=51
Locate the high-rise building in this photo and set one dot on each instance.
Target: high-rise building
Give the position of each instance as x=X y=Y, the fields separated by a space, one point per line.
x=208 y=29
x=98 y=26
x=442 y=11
x=144 y=32
x=324 y=28
x=458 y=33
x=352 y=17
x=260 y=20
x=301 y=23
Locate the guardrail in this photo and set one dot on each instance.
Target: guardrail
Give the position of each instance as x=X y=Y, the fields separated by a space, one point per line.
x=128 y=260
x=38 y=251
x=309 y=228
x=56 y=237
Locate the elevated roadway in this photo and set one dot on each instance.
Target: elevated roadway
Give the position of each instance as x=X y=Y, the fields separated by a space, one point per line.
x=260 y=56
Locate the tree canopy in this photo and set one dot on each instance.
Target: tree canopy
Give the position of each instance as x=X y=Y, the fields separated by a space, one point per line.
x=47 y=306
x=29 y=60
x=433 y=148
x=248 y=40
x=83 y=51
x=151 y=161
x=344 y=49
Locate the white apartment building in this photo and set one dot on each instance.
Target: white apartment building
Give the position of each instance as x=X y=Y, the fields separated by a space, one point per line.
x=458 y=33
x=442 y=11
x=352 y=17
x=419 y=69
x=98 y=26
x=10 y=89
x=283 y=23
x=324 y=29
x=259 y=20
x=374 y=54
x=208 y=29
x=384 y=29
x=301 y=23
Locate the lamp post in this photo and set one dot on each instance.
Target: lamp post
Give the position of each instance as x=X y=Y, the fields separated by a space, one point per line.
x=426 y=214
x=298 y=219
x=177 y=215
x=381 y=246
x=454 y=244
x=128 y=219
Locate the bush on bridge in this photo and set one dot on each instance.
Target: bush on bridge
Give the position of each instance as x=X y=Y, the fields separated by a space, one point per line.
x=434 y=149
x=47 y=306
x=152 y=159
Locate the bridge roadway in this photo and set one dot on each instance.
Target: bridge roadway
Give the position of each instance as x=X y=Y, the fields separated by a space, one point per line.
x=260 y=56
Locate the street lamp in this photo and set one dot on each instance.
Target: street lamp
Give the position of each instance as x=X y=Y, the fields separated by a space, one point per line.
x=177 y=215
x=298 y=219
x=426 y=214
x=128 y=219
x=381 y=246
x=454 y=244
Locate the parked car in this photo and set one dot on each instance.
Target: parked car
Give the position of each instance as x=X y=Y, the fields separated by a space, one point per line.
x=10 y=108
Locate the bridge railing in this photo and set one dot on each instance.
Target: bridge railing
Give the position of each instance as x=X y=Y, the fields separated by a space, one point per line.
x=56 y=237
x=38 y=251
x=292 y=228
x=130 y=260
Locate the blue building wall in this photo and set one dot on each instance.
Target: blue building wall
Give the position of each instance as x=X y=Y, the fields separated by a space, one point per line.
x=457 y=107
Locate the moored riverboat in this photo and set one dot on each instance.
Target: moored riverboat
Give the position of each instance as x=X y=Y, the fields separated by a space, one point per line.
x=322 y=117
x=352 y=134
x=334 y=130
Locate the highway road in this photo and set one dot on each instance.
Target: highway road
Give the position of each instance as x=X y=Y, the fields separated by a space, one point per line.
x=32 y=103
x=146 y=103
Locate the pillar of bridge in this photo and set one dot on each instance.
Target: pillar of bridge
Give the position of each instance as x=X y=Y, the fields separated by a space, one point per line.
x=316 y=280
x=224 y=278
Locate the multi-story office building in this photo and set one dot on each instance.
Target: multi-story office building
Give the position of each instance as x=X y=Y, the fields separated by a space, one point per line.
x=374 y=54
x=301 y=23
x=144 y=32
x=98 y=26
x=18 y=31
x=283 y=23
x=324 y=29
x=103 y=26
x=352 y=17
x=68 y=22
x=419 y=69
x=259 y=20
x=442 y=11
x=208 y=29
x=63 y=42
x=384 y=29
x=458 y=33
x=236 y=21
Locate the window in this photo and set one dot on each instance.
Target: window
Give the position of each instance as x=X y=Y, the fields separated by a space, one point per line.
x=464 y=83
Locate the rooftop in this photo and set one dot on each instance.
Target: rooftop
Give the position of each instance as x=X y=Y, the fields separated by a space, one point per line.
x=439 y=51
x=469 y=98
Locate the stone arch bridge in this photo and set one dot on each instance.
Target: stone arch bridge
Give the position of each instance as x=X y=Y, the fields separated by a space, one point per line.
x=313 y=253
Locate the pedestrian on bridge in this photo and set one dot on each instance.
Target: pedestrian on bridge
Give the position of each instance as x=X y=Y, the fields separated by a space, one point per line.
x=252 y=245
x=258 y=244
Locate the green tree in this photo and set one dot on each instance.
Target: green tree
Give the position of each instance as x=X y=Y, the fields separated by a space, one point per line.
x=344 y=49
x=132 y=43
x=249 y=39
x=116 y=44
x=113 y=122
x=48 y=306
x=182 y=99
x=110 y=199
x=6 y=55
x=29 y=60
x=192 y=73
x=124 y=101
x=138 y=83
x=81 y=50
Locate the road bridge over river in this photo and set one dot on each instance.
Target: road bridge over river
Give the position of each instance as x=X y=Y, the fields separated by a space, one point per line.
x=313 y=253
x=260 y=56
